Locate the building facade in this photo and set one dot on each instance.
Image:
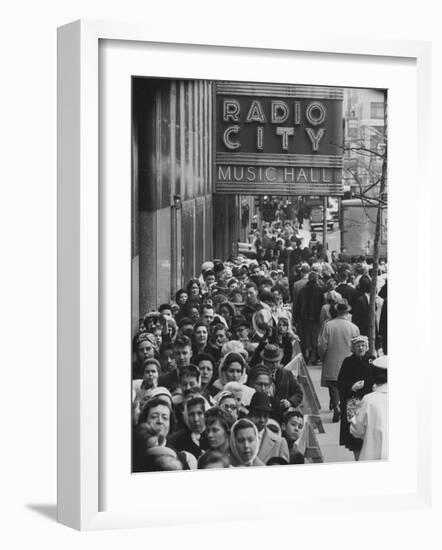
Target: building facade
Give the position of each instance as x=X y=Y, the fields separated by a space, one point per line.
x=202 y=151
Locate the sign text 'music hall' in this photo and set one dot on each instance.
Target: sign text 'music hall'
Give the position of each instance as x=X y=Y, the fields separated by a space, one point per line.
x=278 y=134
x=271 y=174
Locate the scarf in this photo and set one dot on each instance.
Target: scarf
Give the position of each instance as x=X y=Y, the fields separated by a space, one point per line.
x=234 y=448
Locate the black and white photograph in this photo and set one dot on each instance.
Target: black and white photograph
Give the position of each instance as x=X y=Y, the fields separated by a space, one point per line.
x=259 y=274
x=203 y=204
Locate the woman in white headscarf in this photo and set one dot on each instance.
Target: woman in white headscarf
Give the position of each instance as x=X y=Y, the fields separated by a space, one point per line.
x=232 y=368
x=244 y=444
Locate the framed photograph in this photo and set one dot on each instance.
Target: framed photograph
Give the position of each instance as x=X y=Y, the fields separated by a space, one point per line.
x=198 y=184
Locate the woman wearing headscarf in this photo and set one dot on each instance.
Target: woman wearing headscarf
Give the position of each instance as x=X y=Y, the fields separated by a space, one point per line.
x=240 y=392
x=228 y=402
x=285 y=337
x=144 y=347
x=232 y=368
x=355 y=380
x=244 y=444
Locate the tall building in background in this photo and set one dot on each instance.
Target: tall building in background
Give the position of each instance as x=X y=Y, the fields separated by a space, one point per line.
x=364 y=129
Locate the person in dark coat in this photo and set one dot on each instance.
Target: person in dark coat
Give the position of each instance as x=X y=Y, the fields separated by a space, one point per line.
x=307 y=314
x=345 y=289
x=288 y=393
x=292 y=426
x=383 y=319
x=260 y=379
x=360 y=310
x=355 y=379
x=361 y=306
x=192 y=438
x=383 y=327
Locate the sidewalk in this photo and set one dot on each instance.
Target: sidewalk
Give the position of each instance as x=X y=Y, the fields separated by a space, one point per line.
x=328 y=441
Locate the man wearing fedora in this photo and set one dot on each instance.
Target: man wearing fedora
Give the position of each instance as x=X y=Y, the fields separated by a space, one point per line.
x=288 y=393
x=271 y=444
x=334 y=345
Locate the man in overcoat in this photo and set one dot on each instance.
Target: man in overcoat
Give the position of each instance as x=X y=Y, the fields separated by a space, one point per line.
x=307 y=312
x=271 y=444
x=288 y=393
x=334 y=345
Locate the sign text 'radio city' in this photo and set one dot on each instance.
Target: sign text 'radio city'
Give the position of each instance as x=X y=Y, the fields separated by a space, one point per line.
x=278 y=112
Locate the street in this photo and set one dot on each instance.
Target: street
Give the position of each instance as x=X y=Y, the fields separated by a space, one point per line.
x=333 y=237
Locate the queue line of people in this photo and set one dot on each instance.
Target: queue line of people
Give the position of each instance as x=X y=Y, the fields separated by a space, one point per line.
x=214 y=372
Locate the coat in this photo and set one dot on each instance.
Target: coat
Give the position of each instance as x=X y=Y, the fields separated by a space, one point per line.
x=350 y=293
x=250 y=309
x=169 y=380
x=272 y=445
x=309 y=303
x=287 y=387
x=360 y=313
x=182 y=441
x=352 y=370
x=371 y=424
x=297 y=287
x=383 y=324
x=334 y=346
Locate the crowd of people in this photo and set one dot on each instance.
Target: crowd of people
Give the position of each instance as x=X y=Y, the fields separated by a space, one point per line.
x=214 y=373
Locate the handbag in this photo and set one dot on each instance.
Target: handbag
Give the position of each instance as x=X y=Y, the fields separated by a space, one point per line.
x=353 y=404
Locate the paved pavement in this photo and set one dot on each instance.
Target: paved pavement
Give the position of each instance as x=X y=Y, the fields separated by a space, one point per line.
x=328 y=441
